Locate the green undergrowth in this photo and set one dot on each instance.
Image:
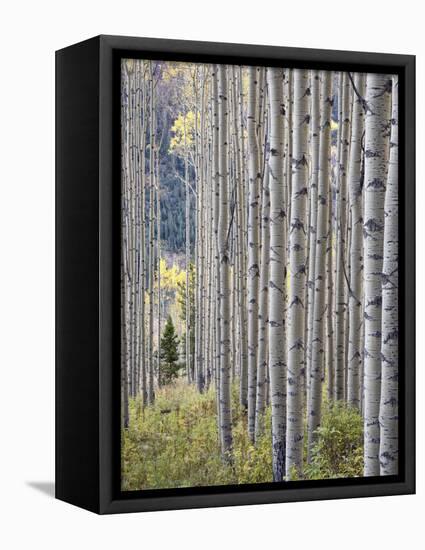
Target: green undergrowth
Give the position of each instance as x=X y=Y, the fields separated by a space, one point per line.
x=338 y=451
x=174 y=443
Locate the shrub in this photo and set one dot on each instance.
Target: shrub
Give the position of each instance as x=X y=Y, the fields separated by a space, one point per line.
x=338 y=451
x=175 y=443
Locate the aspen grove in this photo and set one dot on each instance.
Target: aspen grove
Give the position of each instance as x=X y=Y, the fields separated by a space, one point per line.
x=259 y=274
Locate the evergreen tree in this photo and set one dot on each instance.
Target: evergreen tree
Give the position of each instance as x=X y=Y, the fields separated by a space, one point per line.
x=169 y=353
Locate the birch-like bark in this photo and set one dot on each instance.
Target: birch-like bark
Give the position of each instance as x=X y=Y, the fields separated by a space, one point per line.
x=340 y=300
x=376 y=156
x=209 y=342
x=312 y=233
x=355 y=191
x=263 y=309
x=241 y=215
x=125 y=76
x=151 y=392
x=158 y=252
x=198 y=372
x=187 y=254
x=201 y=240
x=216 y=212
x=142 y=251
x=388 y=412
x=297 y=282
x=131 y=68
x=253 y=245
x=243 y=194
x=277 y=290
x=223 y=243
x=320 y=286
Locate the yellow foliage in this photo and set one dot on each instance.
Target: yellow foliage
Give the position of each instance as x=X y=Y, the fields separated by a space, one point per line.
x=183 y=131
x=172 y=276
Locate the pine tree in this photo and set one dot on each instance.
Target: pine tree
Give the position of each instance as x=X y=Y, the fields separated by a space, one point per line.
x=169 y=353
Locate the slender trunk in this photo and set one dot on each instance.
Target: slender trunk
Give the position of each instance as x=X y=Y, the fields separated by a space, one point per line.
x=151 y=392
x=376 y=155
x=158 y=256
x=355 y=301
x=277 y=291
x=216 y=211
x=330 y=342
x=341 y=226
x=188 y=327
x=297 y=260
x=126 y=243
x=320 y=284
x=223 y=243
x=240 y=205
x=263 y=314
x=312 y=226
x=124 y=274
x=388 y=412
x=253 y=244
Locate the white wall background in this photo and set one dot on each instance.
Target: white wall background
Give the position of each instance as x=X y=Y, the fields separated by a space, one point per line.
x=30 y=32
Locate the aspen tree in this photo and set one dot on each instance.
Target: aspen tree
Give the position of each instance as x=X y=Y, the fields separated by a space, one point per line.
x=210 y=250
x=277 y=290
x=142 y=244
x=244 y=240
x=216 y=209
x=388 y=411
x=320 y=306
x=124 y=248
x=355 y=301
x=158 y=255
x=378 y=88
x=297 y=269
x=340 y=298
x=200 y=267
x=241 y=233
x=151 y=392
x=263 y=309
x=223 y=242
x=253 y=274
x=330 y=321
x=188 y=324
x=198 y=372
x=131 y=223
x=312 y=226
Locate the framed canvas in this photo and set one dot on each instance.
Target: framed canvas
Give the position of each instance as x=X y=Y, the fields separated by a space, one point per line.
x=235 y=274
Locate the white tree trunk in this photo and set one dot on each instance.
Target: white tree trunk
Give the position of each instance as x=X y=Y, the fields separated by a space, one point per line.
x=223 y=243
x=312 y=225
x=376 y=155
x=355 y=191
x=388 y=413
x=277 y=290
x=297 y=282
x=253 y=245
x=321 y=239
x=341 y=227
x=151 y=392
x=263 y=310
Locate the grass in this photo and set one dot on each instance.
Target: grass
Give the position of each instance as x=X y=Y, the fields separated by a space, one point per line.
x=174 y=443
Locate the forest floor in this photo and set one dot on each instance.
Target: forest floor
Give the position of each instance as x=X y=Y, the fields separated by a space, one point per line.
x=174 y=443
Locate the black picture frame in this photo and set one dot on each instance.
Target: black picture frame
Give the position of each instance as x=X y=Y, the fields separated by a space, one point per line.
x=87 y=274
